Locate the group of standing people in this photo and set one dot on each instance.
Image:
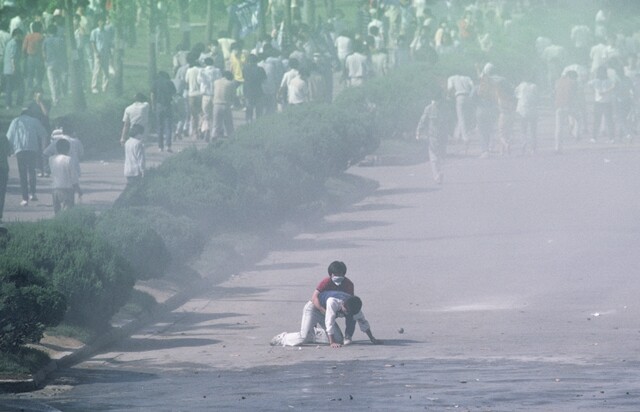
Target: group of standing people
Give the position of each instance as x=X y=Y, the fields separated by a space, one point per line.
x=598 y=73
x=56 y=154
x=35 y=48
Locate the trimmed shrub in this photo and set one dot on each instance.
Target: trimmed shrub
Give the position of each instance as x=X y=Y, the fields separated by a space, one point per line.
x=272 y=167
x=28 y=304
x=93 y=277
x=150 y=238
x=138 y=243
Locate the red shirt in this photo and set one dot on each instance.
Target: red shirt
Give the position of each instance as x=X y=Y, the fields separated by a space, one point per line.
x=326 y=284
x=32 y=44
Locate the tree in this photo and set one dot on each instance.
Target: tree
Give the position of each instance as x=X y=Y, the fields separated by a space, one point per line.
x=153 y=64
x=309 y=13
x=185 y=24
x=28 y=304
x=118 y=20
x=209 y=33
x=76 y=69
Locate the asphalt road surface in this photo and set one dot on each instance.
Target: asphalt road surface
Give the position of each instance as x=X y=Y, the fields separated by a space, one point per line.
x=512 y=287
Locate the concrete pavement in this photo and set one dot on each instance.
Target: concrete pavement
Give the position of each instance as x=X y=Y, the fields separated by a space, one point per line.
x=511 y=287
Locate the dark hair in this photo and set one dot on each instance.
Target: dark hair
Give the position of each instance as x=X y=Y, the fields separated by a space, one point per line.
x=337 y=268
x=139 y=97
x=136 y=129
x=294 y=63
x=227 y=75
x=353 y=305
x=208 y=61
x=63 y=146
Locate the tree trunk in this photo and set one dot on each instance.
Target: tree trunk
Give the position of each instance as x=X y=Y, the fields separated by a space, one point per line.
x=209 y=33
x=262 y=21
x=76 y=72
x=329 y=6
x=123 y=23
x=286 y=31
x=309 y=13
x=185 y=24
x=153 y=9
x=118 y=62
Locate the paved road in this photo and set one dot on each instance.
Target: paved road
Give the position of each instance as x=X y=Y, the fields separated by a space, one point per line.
x=515 y=285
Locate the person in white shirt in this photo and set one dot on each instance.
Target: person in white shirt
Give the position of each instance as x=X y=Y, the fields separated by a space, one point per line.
x=337 y=304
x=134 y=157
x=344 y=47
x=65 y=131
x=194 y=95
x=135 y=113
x=274 y=70
x=603 y=88
x=65 y=180
x=599 y=55
x=582 y=40
x=206 y=77
x=356 y=68
x=527 y=109
x=289 y=75
x=224 y=93
x=298 y=90
x=460 y=88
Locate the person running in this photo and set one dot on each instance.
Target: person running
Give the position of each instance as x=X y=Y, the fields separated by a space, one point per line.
x=433 y=128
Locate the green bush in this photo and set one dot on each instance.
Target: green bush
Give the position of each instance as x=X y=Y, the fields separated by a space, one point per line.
x=271 y=167
x=22 y=363
x=80 y=264
x=28 y=304
x=181 y=236
x=136 y=241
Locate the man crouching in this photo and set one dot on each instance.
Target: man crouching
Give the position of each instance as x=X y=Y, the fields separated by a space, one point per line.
x=337 y=304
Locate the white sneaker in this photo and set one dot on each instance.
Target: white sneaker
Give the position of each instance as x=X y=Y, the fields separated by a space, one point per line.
x=24 y=203
x=278 y=340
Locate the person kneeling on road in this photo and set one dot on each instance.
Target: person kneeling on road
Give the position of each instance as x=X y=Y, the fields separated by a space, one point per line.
x=337 y=304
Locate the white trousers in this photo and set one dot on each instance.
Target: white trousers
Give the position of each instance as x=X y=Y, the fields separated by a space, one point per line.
x=311 y=317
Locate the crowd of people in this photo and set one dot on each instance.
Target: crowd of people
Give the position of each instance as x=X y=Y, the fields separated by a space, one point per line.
x=594 y=69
